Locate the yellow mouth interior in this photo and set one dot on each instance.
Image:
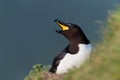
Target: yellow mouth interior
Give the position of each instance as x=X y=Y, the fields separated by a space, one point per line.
x=63 y=26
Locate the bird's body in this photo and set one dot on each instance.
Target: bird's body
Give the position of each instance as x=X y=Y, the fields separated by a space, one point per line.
x=74 y=60
x=77 y=51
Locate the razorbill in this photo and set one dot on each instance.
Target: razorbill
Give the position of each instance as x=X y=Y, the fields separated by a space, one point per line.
x=75 y=53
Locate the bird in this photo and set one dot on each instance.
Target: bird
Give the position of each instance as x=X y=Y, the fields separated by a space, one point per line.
x=75 y=53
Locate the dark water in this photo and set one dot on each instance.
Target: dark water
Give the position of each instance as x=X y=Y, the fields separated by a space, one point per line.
x=27 y=34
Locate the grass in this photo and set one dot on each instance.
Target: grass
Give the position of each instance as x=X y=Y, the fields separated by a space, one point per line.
x=40 y=72
x=37 y=72
x=104 y=63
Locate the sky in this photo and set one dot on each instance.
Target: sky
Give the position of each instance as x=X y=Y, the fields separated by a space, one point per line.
x=27 y=30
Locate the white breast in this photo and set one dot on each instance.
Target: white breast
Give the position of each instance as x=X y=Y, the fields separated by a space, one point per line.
x=74 y=60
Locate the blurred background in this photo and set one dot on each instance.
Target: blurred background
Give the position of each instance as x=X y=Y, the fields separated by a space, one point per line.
x=27 y=30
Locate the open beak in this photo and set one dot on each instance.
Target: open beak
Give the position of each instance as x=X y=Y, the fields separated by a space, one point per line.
x=62 y=25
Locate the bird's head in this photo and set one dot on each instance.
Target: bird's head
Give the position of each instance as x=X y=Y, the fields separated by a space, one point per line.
x=69 y=30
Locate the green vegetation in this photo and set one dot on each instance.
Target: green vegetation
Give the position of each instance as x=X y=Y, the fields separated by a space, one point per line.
x=104 y=63
x=40 y=72
x=37 y=72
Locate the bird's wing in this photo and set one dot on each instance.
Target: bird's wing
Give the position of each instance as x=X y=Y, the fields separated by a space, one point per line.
x=57 y=60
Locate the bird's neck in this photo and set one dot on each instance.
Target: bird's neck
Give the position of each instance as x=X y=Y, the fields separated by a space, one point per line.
x=79 y=40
